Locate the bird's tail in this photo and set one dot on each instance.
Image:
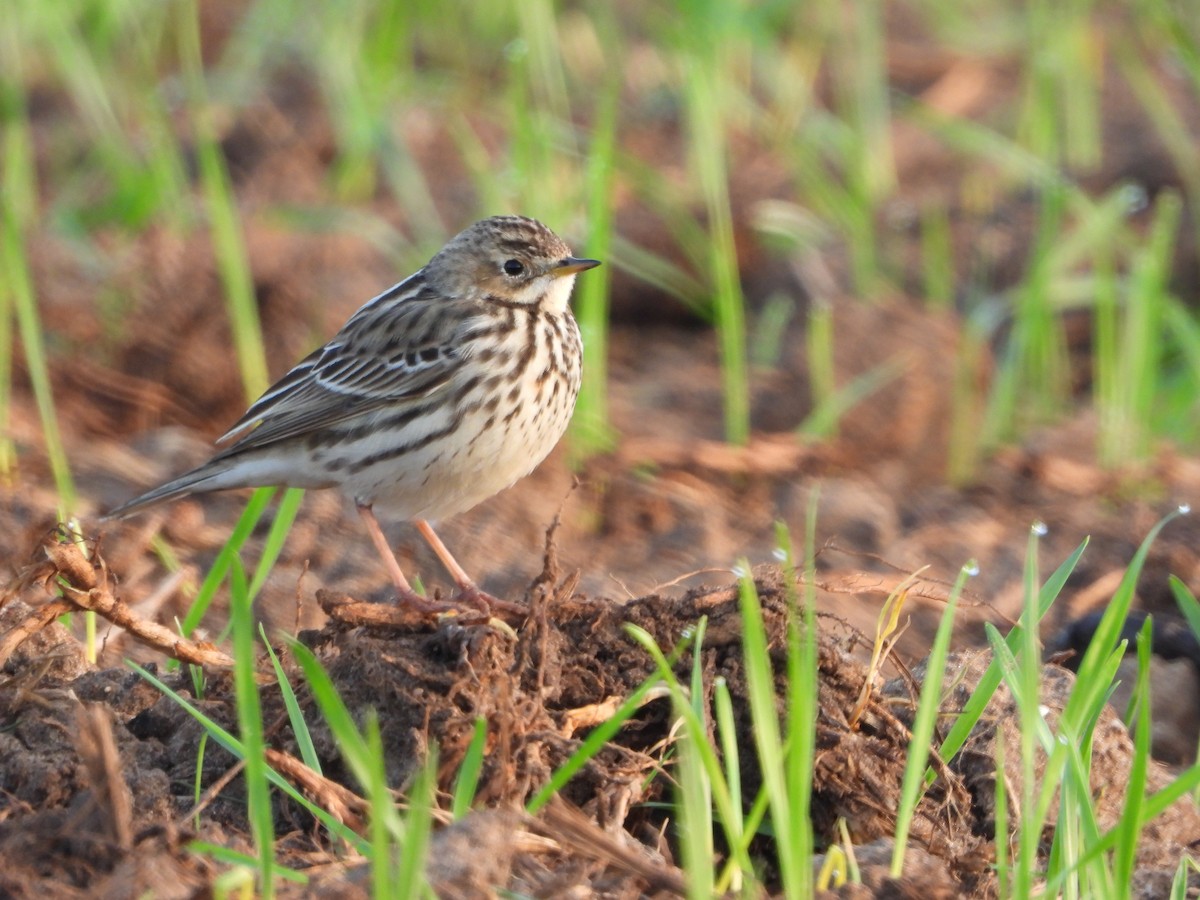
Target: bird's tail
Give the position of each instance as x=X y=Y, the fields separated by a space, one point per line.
x=208 y=477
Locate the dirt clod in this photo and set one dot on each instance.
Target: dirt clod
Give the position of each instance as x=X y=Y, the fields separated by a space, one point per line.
x=114 y=763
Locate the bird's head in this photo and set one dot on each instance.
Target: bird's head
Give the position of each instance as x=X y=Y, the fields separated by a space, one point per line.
x=510 y=260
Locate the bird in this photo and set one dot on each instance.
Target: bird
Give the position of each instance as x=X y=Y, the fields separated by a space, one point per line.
x=435 y=395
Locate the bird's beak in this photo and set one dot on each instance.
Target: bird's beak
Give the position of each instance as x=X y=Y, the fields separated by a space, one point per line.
x=573 y=264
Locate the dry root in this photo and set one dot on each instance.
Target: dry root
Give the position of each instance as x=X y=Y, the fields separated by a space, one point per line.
x=83 y=583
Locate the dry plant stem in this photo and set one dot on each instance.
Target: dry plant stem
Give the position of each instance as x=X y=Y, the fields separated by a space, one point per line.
x=343 y=804
x=569 y=827
x=78 y=581
x=102 y=766
x=41 y=618
x=575 y=720
x=25 y=688
x=873 y=583
x=211 y=793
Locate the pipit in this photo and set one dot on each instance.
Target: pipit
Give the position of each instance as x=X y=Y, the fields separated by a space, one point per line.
x=435 y=395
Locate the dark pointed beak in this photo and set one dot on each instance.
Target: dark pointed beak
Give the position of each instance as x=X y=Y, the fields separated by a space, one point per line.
x=573 y=264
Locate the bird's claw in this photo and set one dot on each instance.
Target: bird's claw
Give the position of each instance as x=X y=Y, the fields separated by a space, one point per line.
x=470 y=594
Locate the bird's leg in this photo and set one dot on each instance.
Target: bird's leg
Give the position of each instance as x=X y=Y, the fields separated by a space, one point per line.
x=468 y=590
x=404 y=591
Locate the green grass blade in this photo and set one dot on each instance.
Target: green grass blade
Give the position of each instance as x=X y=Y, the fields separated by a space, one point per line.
x=228 y=242
x=708 y=142
x=802 y=689
x=760 y=685
x=1107 y=633
x=365 y=760
x=695 y=731
x=468 y=773
x=300 y=730
x=245 y=526
x=694 y=812
x=707 y=38
x=418 y=825
x=1128 y=830
x=234 y=746
x=822 y=422
x=915 y=774
x=198 y=781
x=733 y=877
x=991 y=678
x=592 y=744
x=285 y=515
x=1188 y=605
x=250 y=727
x=1001 y=838
x=231 y=857
x=350 y=742
x=382 y=865
x=694 y=786
x=591 y=431
x=18 y=208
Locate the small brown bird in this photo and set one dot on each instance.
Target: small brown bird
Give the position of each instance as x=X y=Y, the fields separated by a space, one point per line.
x=435 y=395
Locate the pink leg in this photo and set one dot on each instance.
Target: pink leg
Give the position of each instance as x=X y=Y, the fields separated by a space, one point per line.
x=404 y=591
x=468 y=590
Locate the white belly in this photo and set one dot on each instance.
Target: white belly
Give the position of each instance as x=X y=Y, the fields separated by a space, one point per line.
x=461 y=455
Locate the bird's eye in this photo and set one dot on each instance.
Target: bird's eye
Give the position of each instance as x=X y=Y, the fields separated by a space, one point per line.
x=514 y=267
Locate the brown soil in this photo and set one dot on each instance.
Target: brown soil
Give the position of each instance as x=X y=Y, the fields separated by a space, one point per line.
x=97 y=769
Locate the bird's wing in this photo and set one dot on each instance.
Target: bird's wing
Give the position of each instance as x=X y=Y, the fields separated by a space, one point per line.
x=401 y=346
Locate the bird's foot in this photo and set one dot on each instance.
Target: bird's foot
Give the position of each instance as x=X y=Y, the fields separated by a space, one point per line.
x=470 y=603
x=470 y=593
x=423 y=605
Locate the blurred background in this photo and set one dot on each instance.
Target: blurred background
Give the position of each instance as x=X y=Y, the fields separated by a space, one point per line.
x=936 y=257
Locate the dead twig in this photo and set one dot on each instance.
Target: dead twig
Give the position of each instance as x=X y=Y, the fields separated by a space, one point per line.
x=340 y=802
x=85 y=584
x=570 y=828
x=97 y=748
x=39 y=619
x=210 y=794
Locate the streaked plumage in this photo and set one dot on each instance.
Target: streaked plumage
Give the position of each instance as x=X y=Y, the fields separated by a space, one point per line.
x=436 y=394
